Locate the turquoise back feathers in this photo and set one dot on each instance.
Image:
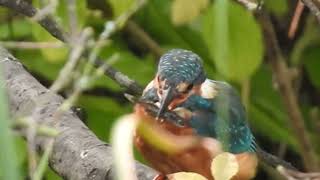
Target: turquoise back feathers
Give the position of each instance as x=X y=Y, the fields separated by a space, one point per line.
x=222 y=117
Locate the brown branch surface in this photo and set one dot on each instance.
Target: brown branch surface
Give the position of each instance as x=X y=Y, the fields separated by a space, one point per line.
x=280 y=69
x=77 y=152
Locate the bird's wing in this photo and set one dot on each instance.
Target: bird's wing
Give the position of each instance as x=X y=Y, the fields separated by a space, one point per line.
x=225 y=117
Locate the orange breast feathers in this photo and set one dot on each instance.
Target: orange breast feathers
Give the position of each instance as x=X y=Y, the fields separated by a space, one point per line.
x=195 y=158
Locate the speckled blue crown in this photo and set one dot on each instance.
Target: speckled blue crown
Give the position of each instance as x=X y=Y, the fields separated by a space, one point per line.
x=179 y=65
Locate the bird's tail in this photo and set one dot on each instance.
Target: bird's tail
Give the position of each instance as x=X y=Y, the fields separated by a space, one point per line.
x=273 y=160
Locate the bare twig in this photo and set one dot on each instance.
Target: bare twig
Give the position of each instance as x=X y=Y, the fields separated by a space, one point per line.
x=288 y=96
x=41 y=130
x=295 y=20
x=314 y=6
x=31 y=45
x=65 y=74
x=28 y=10
x=123 y=80
x=49 y=9
x=31 y=147
x=135 y=30
x=43 y=161
x=73 y=19
x=296 y=175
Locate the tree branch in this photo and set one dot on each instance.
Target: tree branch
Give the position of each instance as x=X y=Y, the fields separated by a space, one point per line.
x=28 y=10
x=280 y=70
x=77 y=152
x=314 y=6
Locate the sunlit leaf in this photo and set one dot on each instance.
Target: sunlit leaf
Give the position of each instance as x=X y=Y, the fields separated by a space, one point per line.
x=184 y=11
x=224 y=166
x=186 y=176
x=122 y=146
x=234 y=40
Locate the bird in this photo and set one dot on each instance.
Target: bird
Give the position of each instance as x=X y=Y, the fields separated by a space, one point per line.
x=211 y=110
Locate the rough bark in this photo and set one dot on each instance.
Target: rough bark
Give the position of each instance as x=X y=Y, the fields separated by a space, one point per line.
x=77 y=153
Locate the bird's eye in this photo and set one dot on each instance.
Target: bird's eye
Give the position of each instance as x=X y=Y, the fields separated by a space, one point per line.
x=189 y=87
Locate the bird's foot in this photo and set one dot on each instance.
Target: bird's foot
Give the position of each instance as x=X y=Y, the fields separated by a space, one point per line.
x=160 y=177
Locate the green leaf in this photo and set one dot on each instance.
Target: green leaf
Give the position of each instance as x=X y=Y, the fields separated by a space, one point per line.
x=224 y=166
x=59 y=54
x=120 y=6
x=311 y=59
x=35 y=61
x=266 y=110
x=8 y=158
x=234 y=40
x=20 y=28
x=184 y=11
x=310 y=37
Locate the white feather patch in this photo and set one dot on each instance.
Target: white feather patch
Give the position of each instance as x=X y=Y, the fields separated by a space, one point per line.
x=208 y=89
x=183 y=112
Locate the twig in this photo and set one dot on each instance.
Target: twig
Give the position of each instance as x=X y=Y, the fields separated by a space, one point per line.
x=65 y=75
x=40 y=129
x=28 y=10
x=43 y=161
x=73 y=20
x=45 y=11
x=296 y=175
x=123 y=80
x=245 y=93
x=314 y=6
x=295 y=20
x=52 y=27
x=31 y=45
x=31 y=147
x=288 y=96
x=135 y=30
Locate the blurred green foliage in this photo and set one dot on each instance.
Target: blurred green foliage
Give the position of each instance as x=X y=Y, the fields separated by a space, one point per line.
x=241 y=60
x=8 y=156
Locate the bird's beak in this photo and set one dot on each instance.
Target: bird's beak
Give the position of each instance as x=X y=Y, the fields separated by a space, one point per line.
x=165 y=100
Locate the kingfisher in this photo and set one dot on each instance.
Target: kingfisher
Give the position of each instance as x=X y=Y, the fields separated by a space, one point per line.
x=212 y=111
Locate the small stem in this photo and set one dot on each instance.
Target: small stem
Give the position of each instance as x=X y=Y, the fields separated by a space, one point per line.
x=43 y=162
x=295 y=20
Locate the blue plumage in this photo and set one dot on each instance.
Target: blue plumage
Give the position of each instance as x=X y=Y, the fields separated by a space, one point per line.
x=180 y=65
x=219 y=115
x=222 y=117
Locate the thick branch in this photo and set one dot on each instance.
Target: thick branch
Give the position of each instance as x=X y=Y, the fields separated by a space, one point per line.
x=77 y=152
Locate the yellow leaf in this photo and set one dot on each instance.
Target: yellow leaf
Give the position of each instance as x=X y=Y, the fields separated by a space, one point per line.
x=184 y=11
x=224 y=166
x=186 y=176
